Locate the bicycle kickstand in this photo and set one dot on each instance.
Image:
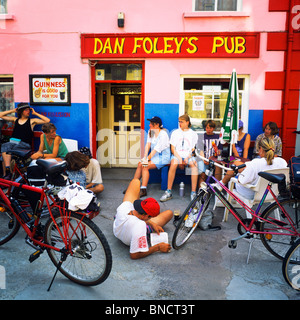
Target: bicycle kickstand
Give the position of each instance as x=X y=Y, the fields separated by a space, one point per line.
x=62 y=259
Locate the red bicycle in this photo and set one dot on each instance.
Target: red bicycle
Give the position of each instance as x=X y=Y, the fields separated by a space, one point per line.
x=74 y=243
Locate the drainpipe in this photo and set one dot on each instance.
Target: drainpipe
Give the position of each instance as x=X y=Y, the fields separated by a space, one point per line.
x=288 y=59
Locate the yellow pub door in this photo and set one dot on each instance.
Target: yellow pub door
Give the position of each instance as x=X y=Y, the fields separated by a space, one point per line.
x=119 y=125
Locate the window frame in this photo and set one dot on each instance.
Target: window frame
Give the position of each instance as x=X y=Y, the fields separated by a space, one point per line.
x=244 y=93
x=3 y=4
x=3 y=77
x=239 y=7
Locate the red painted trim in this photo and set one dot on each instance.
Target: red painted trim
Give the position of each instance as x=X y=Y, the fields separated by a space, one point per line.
x=93 y=99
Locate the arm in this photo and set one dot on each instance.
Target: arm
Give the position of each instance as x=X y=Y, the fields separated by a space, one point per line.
x=3 y=115
x=173 y=150
x=42 y=119
x=162 y=247
x=246 y=146
x=234 y=151
x=39 y=153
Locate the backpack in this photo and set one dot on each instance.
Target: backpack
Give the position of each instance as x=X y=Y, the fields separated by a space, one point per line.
x=294 y=165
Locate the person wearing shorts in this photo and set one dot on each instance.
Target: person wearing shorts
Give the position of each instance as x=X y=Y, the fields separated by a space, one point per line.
x=136 y=219
x=22 y=134
x=156 y=155
x=183 y=142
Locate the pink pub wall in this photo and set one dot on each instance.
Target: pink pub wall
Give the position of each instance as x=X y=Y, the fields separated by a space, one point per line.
x=43 y=37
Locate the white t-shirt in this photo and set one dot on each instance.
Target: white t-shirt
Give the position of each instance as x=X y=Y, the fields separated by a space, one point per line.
x=129 y=229
x=250 y=174
x=93 y=173
x=184 y=141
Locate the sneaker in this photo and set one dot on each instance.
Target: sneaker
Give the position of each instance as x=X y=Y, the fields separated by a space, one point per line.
x=143 y=192
x=189 y=222
x=166 y=196
x=193 y=195
x=8 y=176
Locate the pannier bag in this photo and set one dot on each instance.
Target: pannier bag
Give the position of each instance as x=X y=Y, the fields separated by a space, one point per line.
x=294 y=165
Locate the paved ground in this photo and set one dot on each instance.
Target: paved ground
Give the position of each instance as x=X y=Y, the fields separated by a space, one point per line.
x=204 y=269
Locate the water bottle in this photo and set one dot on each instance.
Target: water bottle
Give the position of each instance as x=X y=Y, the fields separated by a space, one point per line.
x=181 y=189
x=19 y=210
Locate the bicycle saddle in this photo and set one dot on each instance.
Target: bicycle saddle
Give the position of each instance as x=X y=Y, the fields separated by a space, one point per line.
x=21 y=153
x=275 y=178
x=52 y=167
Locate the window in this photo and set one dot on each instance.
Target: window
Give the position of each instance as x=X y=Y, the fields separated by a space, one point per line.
x=6 y=92
x=218 y=5
x=117 y=71
x=205 y=99
x=3 y=6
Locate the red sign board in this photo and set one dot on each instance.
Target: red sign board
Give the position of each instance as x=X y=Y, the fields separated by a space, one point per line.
x=175 y=45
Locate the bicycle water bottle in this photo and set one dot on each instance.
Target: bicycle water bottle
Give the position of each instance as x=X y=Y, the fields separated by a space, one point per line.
x=19 y=210
x=181 y=189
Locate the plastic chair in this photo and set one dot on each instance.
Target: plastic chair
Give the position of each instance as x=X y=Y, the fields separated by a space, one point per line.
x=72 y=145
x=259 y=189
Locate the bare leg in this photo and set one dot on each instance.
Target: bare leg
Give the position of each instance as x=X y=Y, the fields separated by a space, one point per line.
x=163 y=218
x=172 y=172
x=133 y=191
x=145 y=173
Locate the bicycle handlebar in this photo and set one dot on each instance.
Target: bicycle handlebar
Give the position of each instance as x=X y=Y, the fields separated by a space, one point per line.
x=232 y=167
x=215 y=163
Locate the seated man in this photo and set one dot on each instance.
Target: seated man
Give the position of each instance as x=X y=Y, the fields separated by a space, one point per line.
x=136 y=219
x=93 y=173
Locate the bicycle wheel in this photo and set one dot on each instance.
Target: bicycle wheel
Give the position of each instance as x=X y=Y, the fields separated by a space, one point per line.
x=89 y=258
x=195 y=210
x=291 y=266
x=9 y=226
x=278 y=244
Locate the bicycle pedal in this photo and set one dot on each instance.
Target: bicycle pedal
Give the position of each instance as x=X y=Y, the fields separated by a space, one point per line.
x=35 y=255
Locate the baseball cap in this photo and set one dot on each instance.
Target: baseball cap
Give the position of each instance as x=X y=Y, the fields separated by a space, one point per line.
x=86 y=151
x=23 y=105
x=148 y=206
x=241 y=124
x=156 y=120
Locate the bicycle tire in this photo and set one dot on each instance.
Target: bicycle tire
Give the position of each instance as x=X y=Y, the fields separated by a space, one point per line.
x=278 y=245
x=90 y=260
x=9 y=225
x=197 y=206
x=291 y=266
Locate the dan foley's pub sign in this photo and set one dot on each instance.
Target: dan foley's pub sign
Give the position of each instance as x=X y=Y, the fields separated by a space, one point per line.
x=175 y=45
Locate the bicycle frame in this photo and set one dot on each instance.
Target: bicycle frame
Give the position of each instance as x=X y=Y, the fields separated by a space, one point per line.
x=256 y=215
x=64 y=213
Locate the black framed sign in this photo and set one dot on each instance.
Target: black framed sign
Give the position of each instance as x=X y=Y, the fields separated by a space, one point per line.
x=50 y=89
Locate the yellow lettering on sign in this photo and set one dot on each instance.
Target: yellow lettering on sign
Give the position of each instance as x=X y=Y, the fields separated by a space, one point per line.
x=193 y=45
x=218 y=42
x=178 y=44
x=237 y=44
x=167 y=45
x=137 y=44
x=119 y=46
x=240 y=45
x=155 y=47
x=148 y=48
x=98 y=46
x=107 y=46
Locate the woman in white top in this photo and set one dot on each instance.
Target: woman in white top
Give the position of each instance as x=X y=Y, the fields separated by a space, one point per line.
x=183 y=142
x=249 y=174
x=158 y=144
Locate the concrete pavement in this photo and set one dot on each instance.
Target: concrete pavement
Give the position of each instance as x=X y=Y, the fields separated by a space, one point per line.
x=205 y=268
